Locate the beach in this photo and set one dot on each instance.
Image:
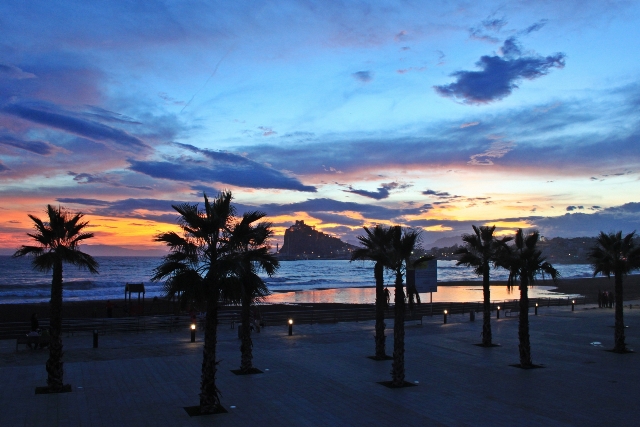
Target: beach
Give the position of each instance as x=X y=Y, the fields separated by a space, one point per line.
x=587 y=287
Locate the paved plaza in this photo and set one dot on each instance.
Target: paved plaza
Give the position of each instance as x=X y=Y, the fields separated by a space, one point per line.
x=321 y=376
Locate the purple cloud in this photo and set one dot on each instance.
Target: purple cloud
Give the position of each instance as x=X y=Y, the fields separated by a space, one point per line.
x=38 y=147
x=85 y=128
x=499 y=76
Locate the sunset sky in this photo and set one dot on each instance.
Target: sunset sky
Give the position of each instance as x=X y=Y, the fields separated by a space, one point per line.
x=435 y=115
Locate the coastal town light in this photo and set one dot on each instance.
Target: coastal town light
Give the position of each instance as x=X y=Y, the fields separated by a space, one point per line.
x=445 y=317
x=193 y=332
x=290 y=327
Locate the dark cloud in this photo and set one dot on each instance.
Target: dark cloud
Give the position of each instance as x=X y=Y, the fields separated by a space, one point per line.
x=494 y=24
x=38 y=147
x=381 y=193
x=499 y=76
x=573 y=208
x=363 y=76
x=436 y=193
x=87 y=178
x=535 y=27
x=222 y=167
x=64 y=121
x=323 y=205
x=3 y=167
x=81 y=201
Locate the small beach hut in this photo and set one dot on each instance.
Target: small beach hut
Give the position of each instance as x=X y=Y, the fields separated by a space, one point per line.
x=130 y=288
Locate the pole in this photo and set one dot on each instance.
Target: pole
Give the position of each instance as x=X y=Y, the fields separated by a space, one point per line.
x=431 y=297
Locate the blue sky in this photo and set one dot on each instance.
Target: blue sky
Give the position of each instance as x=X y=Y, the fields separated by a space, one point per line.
x=435 y=115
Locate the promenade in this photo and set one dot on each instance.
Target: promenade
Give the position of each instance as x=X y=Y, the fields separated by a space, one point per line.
x=321 y=376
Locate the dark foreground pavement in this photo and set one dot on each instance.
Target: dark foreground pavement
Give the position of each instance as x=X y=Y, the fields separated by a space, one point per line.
x=321 y=376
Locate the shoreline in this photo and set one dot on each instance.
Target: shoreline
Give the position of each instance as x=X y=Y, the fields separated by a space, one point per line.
x=21 y=312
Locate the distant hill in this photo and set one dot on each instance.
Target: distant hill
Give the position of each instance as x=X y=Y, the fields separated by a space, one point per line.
x=106 y=250
x=302 y=241
x=444 y=242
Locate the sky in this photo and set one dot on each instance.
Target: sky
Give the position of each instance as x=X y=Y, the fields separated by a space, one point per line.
x=434 y=115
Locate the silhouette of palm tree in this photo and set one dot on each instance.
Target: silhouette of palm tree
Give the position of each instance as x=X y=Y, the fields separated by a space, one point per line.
x=249 y=254
x=376 y=245
x=58 y=242
x=615 y=254
x=481 y=251
x=197 y=269
x=525 y=262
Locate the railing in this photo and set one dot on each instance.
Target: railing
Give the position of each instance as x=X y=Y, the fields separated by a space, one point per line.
x=231 y=316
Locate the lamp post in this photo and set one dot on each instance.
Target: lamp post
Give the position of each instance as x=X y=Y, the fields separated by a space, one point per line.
x=290 y=327
x=498 y=312
x=536 y=309
x=445 y=317
x=193 y=332
x=573 y=305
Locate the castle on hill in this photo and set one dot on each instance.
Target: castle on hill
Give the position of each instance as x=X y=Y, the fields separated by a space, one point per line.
x=302 y=241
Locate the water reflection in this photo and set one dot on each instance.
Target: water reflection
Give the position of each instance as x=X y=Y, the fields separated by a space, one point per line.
x=444 y=294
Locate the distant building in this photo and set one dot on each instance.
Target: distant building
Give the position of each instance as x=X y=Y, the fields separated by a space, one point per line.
x=302 y=241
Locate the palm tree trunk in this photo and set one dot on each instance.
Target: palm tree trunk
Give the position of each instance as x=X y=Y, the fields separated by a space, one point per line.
x=397 y=368
x=486 y=317
x=246 y=346
x=209 y=393
x=619 y=346
x=54 y=365
x=381 y=302
x=523 y=325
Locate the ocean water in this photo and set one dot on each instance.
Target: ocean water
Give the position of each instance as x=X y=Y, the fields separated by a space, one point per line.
x=295 y=281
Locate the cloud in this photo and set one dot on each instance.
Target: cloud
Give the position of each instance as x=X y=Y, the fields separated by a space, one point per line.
x=3 y=167
x=13 y=72
x=363 y=76
x=499 y=76
x=64 y=121
x=469 y=124
x=494 y=24
x=218 y=166
x=573 y=208
x=267 y=131
x=441 y=194
x=496 y=150
x=535 y=27
x=381 y=193
x=39 y=147
x=87 y=178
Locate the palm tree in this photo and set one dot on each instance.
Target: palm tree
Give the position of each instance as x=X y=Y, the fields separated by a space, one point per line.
x=376 y=247
x=525 y=262
x=482 y=249
x=58 y=242
x=197 y=269
x=250 y=253
x=402 y=246
x=617 y=255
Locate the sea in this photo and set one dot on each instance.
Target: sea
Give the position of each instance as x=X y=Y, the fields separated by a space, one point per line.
x=307 y=281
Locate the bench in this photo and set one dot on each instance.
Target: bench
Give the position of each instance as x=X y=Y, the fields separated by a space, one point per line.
x=28 y=341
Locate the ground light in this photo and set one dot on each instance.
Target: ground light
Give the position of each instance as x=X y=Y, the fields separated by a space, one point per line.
x=193 y=332
x=536 y=309
x=573 y=305
x=498 y=312
x=445 y=317
x=290 y=327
